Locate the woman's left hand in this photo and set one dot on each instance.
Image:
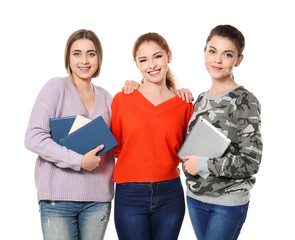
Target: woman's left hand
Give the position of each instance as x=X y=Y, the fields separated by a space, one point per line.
x=190 y=164
x=185 y=94
x=130 y=86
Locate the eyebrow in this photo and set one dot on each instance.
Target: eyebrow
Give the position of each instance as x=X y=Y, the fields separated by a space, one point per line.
x=78 y=50
x=224 y=51
x=146 y=57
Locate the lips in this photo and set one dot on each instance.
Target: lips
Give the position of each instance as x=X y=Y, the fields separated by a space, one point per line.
x=154 y=73
x=84 y=69
x=216 y=68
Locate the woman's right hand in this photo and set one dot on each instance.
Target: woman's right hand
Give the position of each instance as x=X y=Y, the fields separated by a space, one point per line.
x=90 y=161
x=130 y=86
x=185 y=95
x=190 y=164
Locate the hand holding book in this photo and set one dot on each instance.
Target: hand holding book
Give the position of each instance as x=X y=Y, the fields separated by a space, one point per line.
x=90 y=161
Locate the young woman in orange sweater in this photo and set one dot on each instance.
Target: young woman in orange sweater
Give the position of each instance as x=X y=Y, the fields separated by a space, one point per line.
x=150 y=126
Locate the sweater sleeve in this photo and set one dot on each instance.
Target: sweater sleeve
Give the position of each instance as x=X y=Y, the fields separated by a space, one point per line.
x=244 y=157
x=38 y=138
x=116 y=126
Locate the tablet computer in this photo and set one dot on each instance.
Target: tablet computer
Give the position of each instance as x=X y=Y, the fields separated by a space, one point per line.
x=204 y=140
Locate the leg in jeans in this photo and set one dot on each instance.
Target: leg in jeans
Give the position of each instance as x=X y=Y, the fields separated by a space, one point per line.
x=93 y=220
x=167 y=210
x=215 y=222
x=66 y=220
x=149 y=211
x=199 y=215
x=58 y=220
x=132 y=211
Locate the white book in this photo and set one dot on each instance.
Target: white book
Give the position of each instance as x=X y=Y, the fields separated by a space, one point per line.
x=79 y=122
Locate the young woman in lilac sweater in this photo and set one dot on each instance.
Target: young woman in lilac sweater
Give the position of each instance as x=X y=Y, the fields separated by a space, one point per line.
x=74 y=191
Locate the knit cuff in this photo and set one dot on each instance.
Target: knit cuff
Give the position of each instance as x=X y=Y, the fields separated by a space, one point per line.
x=202 y=166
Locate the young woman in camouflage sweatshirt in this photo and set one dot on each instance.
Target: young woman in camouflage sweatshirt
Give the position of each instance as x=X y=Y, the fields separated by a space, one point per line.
x=219 y=188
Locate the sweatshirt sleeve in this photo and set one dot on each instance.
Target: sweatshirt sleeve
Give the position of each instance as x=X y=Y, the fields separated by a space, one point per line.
x=38 y=138
x=244 y=157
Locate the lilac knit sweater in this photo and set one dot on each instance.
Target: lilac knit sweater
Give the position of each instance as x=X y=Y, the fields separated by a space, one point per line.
x=58 y=173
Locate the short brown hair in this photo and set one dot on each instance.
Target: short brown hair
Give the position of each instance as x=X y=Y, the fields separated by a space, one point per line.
x=83 y=34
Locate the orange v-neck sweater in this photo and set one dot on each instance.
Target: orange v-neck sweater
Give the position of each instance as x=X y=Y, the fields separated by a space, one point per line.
x=149 y=137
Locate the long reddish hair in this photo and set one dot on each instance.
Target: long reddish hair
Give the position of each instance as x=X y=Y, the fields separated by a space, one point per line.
x=158 y=39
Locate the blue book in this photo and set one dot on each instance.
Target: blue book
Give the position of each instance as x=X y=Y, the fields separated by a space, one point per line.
x=60 y=127
x=89 y=137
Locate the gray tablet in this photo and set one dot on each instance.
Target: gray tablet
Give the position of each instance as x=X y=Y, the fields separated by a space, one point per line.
x=204 y=140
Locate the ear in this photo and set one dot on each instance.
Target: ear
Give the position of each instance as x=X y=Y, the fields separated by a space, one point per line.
x=240 y=59
x=169 y=57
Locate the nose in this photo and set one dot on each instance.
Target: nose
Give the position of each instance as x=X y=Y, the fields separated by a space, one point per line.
x=85 y=59
x=152 y=64
x=218 y=58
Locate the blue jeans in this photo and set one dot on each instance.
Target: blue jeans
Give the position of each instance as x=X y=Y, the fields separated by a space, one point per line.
x=65 y=220
x=149 y=211
x=216 y=222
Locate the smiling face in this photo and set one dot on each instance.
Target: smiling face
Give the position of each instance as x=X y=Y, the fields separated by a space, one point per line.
x=221 y=56
x=152 y=61
x=83 y=60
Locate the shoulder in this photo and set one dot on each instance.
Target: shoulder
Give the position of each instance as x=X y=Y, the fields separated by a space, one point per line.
x=119 y=95
x=201 y=97
x=242 y=93
x=101 y=92
x=123 y=97
x=246 y=101
x=53 y=83
x=184 y=104
x=119 y=99
x=57 y=82
x=52 y=91
x=180 y=107
x=53 y=88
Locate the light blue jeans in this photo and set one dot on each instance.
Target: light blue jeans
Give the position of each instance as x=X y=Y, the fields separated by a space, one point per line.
x=65 y=220
x=216 y=222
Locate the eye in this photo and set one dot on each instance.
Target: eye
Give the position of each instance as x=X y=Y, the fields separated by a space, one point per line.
x=158 y=56
x=91 y=54
x=142 y=60
x=212 y=51
x=76 y=54
x=228 y=55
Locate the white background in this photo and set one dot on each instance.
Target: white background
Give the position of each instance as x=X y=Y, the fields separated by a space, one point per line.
x=33 y=37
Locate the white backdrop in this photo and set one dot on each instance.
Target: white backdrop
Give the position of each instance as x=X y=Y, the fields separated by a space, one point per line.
x=33 y=37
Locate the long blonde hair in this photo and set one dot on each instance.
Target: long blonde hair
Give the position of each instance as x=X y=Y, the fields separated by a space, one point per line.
x=158 y=39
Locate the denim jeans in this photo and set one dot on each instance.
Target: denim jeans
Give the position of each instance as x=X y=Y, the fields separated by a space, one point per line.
x=149 y=211
x=216 y=222
x=65 y=220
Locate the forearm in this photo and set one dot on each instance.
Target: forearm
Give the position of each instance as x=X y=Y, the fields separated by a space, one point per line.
x=39 y=141
x=243 y=158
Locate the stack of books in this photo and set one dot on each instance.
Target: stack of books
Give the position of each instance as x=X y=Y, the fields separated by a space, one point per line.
x=81 y=134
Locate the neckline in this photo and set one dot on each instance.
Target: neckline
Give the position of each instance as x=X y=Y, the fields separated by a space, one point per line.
x=80 y=100
x=222 y=94
x=145 y=100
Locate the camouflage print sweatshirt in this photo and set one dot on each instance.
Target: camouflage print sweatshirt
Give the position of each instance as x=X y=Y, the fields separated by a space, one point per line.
x=227 y=180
